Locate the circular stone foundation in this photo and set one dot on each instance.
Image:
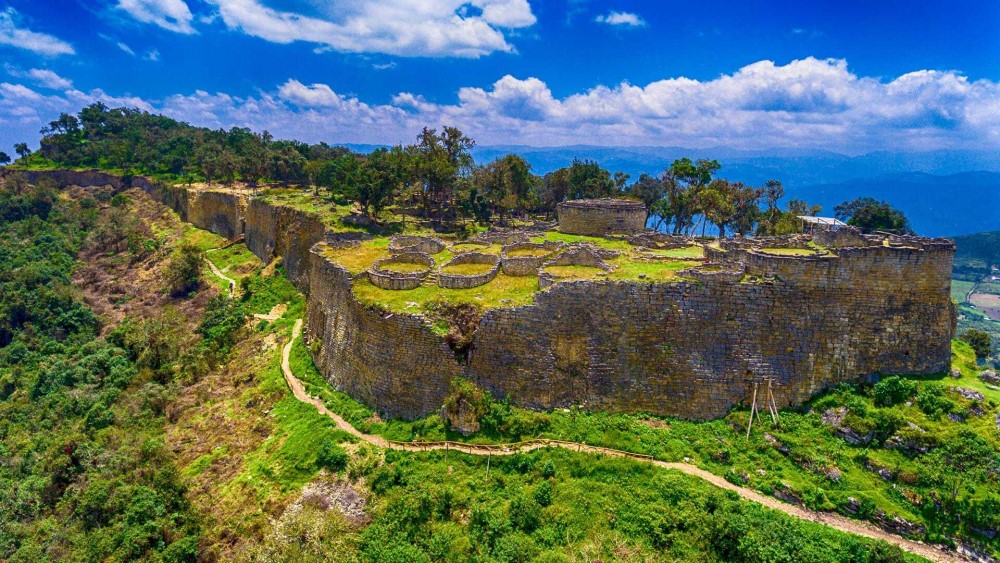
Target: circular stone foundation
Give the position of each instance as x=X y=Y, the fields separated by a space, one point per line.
x=450 y=280
x=381 y=274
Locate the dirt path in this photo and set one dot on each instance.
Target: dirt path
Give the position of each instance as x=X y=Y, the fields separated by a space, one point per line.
x=224 y=277
x=832 y=520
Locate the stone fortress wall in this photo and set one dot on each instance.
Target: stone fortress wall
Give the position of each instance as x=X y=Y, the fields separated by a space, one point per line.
x=691 y=349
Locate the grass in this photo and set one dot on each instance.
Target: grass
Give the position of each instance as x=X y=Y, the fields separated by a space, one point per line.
x=812 y=447
x=575 y=272
x=529 y=252
x=959 y=289
x=655 y=271
x=503 y=291
x=620 y=245
x=467 y=269
x=403 y=267
x=789 y=251
x=686 y=252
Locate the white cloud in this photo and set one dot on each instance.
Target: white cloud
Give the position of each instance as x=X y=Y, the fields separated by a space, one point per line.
x=173 y=15
x=384 y=66
x=808 y=103
x=43 y=77
x=152 y=55
x=41 y=43
x=626 y=19
x=125 y=48
x=409 y=28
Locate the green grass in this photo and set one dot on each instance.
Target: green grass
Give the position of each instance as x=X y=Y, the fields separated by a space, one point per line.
x=789 y=251
x=959 y=289
x=503 y=291
x=575 y=272
x=813 y=449
x=686 y=252
x=467 y=269
x=403 y=267
x=528 y=252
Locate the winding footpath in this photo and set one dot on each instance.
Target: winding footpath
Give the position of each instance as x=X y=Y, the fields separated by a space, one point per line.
x=215 y=270
x=832 y=520
x=836 y=521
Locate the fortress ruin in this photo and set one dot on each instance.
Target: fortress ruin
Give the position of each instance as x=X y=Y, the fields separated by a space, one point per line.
x=804 y=312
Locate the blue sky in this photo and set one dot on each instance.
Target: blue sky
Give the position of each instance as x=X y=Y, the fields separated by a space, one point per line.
x=838 y=75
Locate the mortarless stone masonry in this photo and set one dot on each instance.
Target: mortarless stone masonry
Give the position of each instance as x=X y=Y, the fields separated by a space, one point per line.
x=601 y=216
x=690 y=349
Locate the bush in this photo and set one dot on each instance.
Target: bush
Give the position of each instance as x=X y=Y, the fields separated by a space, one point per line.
x=893 y=390
x=980 y=342
x=331 y=456
x=543 y=494
x=184 y=270
x=932 y=401
x=222 y=321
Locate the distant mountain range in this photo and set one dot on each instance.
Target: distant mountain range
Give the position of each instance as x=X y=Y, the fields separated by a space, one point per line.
x=944 y=193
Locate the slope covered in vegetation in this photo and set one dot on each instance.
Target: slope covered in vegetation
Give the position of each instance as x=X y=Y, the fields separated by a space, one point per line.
x=174 y=438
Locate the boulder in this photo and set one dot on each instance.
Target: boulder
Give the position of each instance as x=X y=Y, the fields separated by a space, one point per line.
x=990 y=376
x=968 y=393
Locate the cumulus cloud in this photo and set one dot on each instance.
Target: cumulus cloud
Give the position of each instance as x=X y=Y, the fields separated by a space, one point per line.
x=409 y=28
x=173 y=15
x=809 y=103
x=43 y=44
x=42 y=77
x=624 y=19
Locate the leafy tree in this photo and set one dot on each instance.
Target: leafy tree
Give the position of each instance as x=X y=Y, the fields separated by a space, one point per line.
x=184 y=270
x=980 y=342
x=506 y=183
x=870 y=215
x=4 y=158
x=22 y=150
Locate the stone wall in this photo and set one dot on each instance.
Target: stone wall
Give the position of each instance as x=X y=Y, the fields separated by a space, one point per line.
x=393 y=362
x=273 y=231
x=601 y=216
x=693 y=349
x=690 y=349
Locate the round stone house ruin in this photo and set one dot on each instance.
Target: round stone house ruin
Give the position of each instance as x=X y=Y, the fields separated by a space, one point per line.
x=450 y=280
x=601 y=216
x=386 y=278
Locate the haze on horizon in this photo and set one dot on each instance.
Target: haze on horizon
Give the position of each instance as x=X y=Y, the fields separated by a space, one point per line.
x=840 y=76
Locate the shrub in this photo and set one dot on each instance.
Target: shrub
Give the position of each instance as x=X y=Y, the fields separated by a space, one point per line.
x=184 y=270
x=222 y=321
x=980 y=342
x=893 y=390
x=543 y=494
x=525 y=513
x=331 y=456
x=932 y=401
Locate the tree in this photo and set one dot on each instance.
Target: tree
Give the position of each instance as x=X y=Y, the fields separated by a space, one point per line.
x=685 y=179
x=441 y=159
x=650 y=190
x=870 y=215
x=506 y=183
x=4 y=158
x=22 y=150
x=980 y=342
x=184 y=270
